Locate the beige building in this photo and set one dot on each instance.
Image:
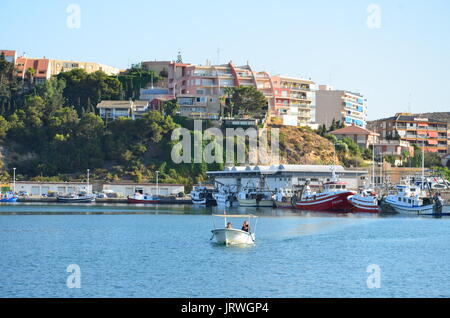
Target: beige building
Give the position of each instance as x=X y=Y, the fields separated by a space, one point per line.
x=58 y=66
x=344 y=106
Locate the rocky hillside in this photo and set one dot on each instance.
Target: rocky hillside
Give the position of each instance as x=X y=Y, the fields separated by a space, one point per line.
x=303 y=146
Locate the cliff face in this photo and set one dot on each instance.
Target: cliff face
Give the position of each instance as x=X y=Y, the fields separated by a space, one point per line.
x=302 y=146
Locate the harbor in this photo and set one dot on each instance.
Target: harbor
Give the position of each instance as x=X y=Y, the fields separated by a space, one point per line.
x=126 y=251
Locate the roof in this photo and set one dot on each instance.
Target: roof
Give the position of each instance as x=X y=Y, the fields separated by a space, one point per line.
x=282 y=168
x=353 y=130
x=51 y=182
x=410 y=117
x=41 y=66
x=8 y=52
x=114 y=104
x=142 y=184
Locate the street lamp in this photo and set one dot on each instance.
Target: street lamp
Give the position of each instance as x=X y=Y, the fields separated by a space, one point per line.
x=14 y=180
x=157 y=188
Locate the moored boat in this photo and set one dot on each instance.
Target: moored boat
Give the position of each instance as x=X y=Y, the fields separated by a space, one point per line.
x=9 y=198
x=284 y=198
x=254 y=197
x=224 y=196
x=76 y=198
x=202 y=195
x=411 y=200
x=333 y=198
x=365 y=201
x=143 y=198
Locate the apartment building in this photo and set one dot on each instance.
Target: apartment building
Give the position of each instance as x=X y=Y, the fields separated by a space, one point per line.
x=200 y=88
x=10 y=55
x=421 y=131
x=41 y=69
x=58 y=66
x=345 y=106
x=293 y=100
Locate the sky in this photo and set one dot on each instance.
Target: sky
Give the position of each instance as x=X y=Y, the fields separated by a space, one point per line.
x=394 y=52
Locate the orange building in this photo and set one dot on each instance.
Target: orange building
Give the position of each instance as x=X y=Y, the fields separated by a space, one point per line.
x=421 y=131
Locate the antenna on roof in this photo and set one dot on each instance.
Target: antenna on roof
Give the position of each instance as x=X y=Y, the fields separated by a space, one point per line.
x=218 y=55
x=179 y=58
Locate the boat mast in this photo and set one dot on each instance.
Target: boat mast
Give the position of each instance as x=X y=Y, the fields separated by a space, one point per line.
x=87 y=183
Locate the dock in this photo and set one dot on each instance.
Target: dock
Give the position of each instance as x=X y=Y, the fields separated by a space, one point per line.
x=102 y=200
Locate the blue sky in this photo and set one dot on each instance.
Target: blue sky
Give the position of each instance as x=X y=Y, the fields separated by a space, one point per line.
x=404 y=64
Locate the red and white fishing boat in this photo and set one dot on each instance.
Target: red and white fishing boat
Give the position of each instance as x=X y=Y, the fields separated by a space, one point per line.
x=333 y=198
x=143 y=198
x=365 y=201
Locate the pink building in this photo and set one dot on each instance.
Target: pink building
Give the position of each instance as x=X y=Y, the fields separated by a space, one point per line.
x=199 y=89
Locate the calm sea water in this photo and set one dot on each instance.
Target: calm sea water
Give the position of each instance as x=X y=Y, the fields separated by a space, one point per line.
x=166 y=252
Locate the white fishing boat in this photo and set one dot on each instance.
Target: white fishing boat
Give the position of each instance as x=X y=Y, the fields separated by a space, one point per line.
x=231 y=236
x=284 y=198
x=254 y=197
x=202 y=195
x=409 y=200
x=224 y=196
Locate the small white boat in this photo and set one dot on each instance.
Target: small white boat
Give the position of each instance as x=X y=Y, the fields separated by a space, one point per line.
x=76 y=198
x=231 y=236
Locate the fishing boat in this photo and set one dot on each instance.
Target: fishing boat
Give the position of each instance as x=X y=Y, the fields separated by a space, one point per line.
x=230 y=236
x=224 y=196
x=9 y=198
x=411 y=200
x=76 y=198
x=333 y=198
x=143 y=198
x=365 y=201
x=254 y=197
x=284 y=198
x=202 y=195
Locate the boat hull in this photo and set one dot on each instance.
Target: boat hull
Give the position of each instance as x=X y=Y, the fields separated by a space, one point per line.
x=284 y=205
x=135 y=201
x=364 y=204
x=206 y=202
x=255 y=203
x=425 y=209
x=335 y=202
x=9 y=200
x=75 y=200
x=233 y=237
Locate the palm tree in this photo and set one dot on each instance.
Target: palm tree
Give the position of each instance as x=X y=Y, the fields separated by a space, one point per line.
x=31 y=72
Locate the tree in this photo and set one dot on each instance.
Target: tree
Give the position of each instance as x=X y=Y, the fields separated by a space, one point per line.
x=82 y=88
x=247 y=101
